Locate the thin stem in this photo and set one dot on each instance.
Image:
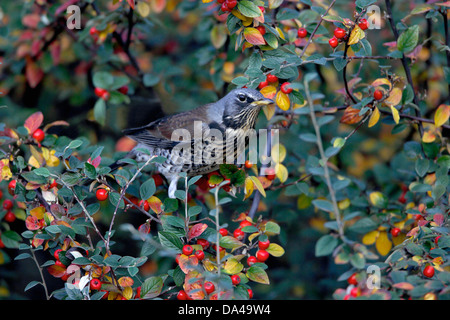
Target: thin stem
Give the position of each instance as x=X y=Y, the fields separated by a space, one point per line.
x=40 y=272
x=324 y=163
x=404 y=62
x=216 y=199
x=316 y=28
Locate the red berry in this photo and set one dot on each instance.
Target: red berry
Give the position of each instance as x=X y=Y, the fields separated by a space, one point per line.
x=1 y=194
x=251 y=260
x=285 y=88
x=177 y=257
x=223 y=232
x=436 y=240
x=54 y=184
x=38 y=135
x=428 y=271
x=144 y=205
x=238 y=234
x=187 y=250
x=182 y=295
x=395 y=232
x=200 y=255
x=263 y=244
x=105 y=96
x=363 y=24
x=123 y=90
x=138 y=292
x=262 y=9
x=10 y=217
x=235 y=279
x=59 y=264
x=158 y=180
x=56 y=253
x=204 y=243
x=7 y=204
x=209 y=287
x=220 y=1
x=95 y=284
x=352 y=280
x=224 y=7
x=231 y=4
x=270 y=174
x=378 y=95
x=339 y=33
x=2 y=245
x=261 y=30
x=263 y=84
x=333 y=42
x=12 y=187
x=245 y=223
x=99 y=92
x=354 y=292
x=262 y=255
x=93 y=31
x=250 y=293
x=302 y=33
x=271 y=78
x=248 y=164
x=101 y=194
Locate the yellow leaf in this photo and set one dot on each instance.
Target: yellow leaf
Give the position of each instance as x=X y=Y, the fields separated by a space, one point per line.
x=370 y=238
x=374 y=117
x=383 y=244
x=207 y=1
x=232 y=266
x=376 y=198
x=283 y=101
x=394 y=97
x=269 y=111
x=143 y=9
x=395 y=114
x=428 y=136
x=398 y=239
x=38 y=212
x=381 y=81
x=269 y=92
x=281 y=172
x=344 y=204
x=442 y=114
x=258 y=185
x=248 y=187
x=126 y=282
x=278 y=153
x=37 y=155
x=127 y=293
x=275 y=250
x=280 y=33
x=6 y=171
x=356 y=35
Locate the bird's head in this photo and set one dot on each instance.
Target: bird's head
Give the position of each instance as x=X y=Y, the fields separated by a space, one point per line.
x=241 y=107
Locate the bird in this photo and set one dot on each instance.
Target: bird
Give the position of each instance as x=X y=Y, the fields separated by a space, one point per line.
x=233 y=116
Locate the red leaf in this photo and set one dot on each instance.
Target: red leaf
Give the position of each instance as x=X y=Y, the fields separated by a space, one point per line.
x=196 y=230
x=439 y=218
x=95 y=162
x=31 y=20
x=187 y=263
x=32 y=223
x=34 y=121
x=144 y=229
x=33 y=73
x=56 y=271
x=131 y=3
x=253 y=36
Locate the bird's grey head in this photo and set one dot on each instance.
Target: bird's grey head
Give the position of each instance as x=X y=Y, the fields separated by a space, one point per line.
x=241 y=107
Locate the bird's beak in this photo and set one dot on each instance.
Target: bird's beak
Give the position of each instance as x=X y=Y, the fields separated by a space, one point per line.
x=263 y=102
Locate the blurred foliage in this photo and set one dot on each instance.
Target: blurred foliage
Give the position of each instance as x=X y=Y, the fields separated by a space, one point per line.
x=387 y=161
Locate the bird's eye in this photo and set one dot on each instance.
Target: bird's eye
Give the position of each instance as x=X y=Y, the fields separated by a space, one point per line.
x=242 y=97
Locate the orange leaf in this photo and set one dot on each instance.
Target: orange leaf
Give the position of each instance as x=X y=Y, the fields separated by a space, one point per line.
x=351 y=116
x=196 y=230
x=187 y=263
x=126 y=282
x=442 y=114
x=32 y=223
x=56 y=271
x=403 y=285
x=155 y=204
x=253 y=36
x=34 y=121
x=394 y=97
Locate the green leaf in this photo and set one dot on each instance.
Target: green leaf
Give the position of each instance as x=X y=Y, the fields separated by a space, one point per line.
x=150 y=80
x=151 y=287
x=170 y=241
x=31 y=285
x=147 y=189
x=43 y=172
x=229 y=242
x=325 y=245
x=100 y=111
x=103 y=79
x=249 y=9
x=408 y=39
x=257 y=274
x=324 y=205
x=90 y=171
x=422 y=166
x=272 y=227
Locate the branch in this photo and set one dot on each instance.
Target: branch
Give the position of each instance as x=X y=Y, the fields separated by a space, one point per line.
x=324 y=160
x=404 y=62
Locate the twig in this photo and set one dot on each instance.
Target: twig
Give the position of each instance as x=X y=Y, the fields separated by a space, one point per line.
x=404 y=62
x=337 y=214
x=344 y=74
x=316 y=28
x=41 y=274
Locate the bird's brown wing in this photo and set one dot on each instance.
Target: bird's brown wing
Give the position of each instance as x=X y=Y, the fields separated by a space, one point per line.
x=159 y=133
